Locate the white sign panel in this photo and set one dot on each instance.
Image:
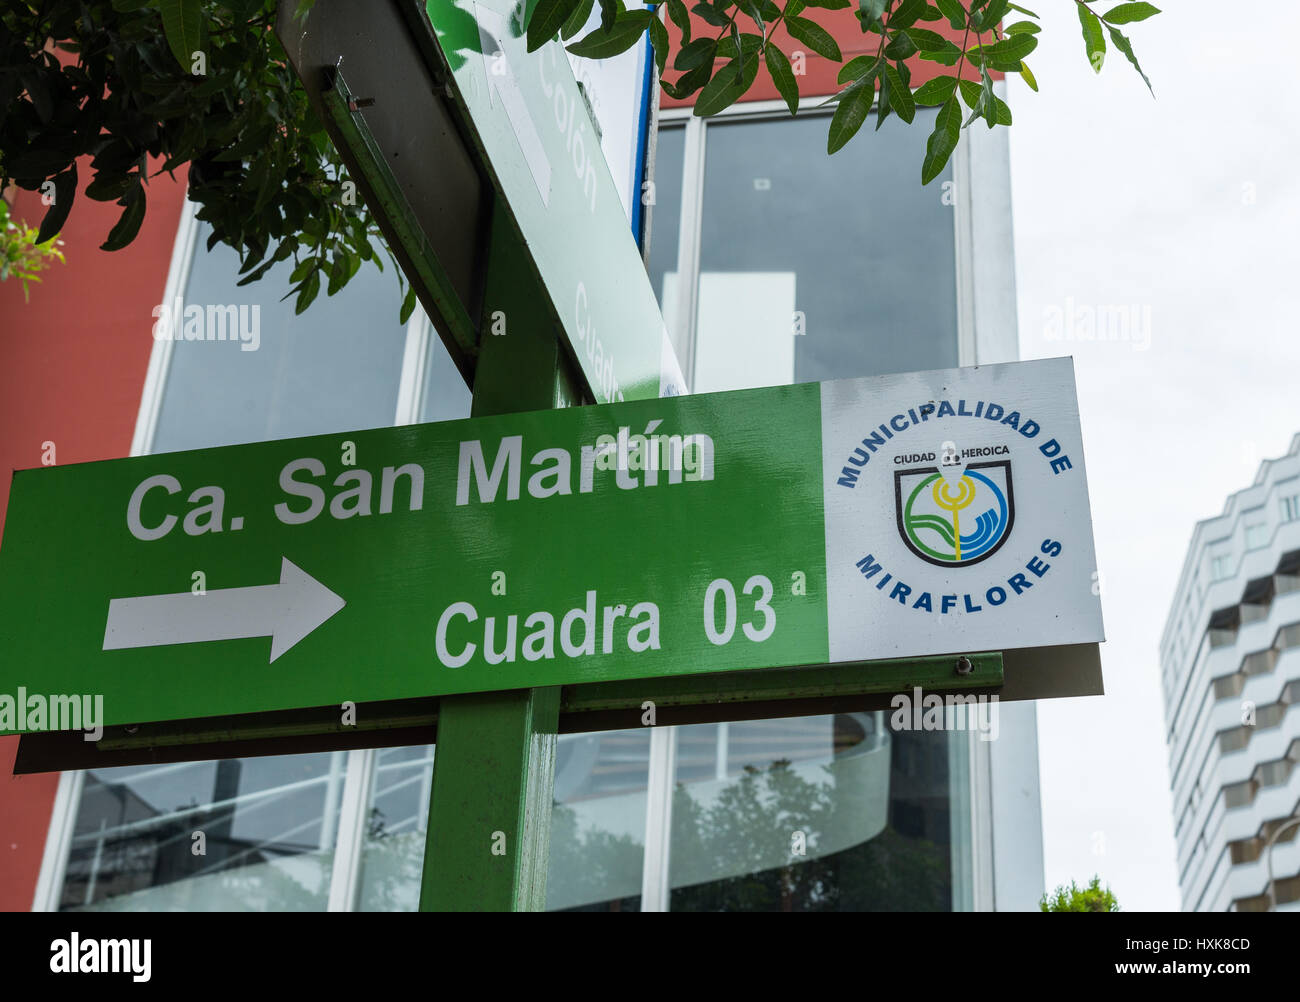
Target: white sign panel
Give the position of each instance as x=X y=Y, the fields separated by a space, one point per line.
x=956 y=505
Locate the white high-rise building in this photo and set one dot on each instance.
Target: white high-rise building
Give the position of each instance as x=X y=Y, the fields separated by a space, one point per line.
x=1230 y=660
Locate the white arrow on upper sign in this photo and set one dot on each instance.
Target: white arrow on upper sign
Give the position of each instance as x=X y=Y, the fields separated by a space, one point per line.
x=285 y=612
x=501 y=82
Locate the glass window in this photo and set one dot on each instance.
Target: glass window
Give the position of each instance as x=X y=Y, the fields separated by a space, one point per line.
x=665 y=223
x=335 y=367
x=598 y=821
x=397 y=817
x=445 y=395
x=825 y=813
x=1291 y=508
x=804 y=274
x=1220 y=566
x=254 y=834
x=1256 y=535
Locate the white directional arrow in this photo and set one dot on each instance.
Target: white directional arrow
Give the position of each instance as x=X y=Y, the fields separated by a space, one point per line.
x=501 y=82
x=285 y=612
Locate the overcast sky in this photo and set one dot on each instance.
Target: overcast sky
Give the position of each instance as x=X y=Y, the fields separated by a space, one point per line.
x=1188 y=204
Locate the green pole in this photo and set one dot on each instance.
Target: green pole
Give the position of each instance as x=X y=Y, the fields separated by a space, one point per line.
x=488 y=837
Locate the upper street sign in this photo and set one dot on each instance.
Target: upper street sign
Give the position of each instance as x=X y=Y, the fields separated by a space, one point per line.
x=921 y=514
x=445 y=121
x=534 y=133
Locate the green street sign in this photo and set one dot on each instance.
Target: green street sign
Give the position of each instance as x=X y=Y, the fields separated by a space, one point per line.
x=796 y=525
x=533 y=134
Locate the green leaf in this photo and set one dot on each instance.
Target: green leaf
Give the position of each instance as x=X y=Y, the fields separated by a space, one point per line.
x=727 y=85
x=782 y=75
x=991 y=15
x=1007 y=54
x=600 y=44
x=688 y=83
x=755 y=15
x=581 y=14
x=609 y=10
x=942 y=141
x=829 y=4
x=709 y=14
x=1022 y=28
x=748 y=46
x=661 y=43
x=302 y=269
x=1028 y=77
x=907 y=13
x=548 y=17
x=988 y=100
x=814 y=36
x=677 y=11
x=310 y=289
x=953 y=11
x=850 y=113
x=695 y=53
x=1127 y=13
x=65 y=190
x=900 y=46
x=929 y=41
x=935 y=91
x=128 y=224
x=856 y=68
x=183 y=27
x=948 y=55
x=1122 y=43
x=1093 y=39
x=408 y=305
x=900 y=95
x=1024 y=10
x=971 y=92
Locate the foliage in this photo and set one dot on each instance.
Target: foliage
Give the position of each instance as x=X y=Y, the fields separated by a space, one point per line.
x=747 y=32
x=20 y=252
x=1093 y=898
x=151 y=85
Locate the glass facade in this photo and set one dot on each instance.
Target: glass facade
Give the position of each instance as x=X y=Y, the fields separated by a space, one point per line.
x=800 y=275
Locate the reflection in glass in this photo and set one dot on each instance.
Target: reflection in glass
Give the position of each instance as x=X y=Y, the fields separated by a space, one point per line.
x=826 y=813
x=598 y=821
x=254 y=834
x=815 y=267
x=392 y=848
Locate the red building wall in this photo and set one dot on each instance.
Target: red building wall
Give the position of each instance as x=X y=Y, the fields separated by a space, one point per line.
x=72 y=368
